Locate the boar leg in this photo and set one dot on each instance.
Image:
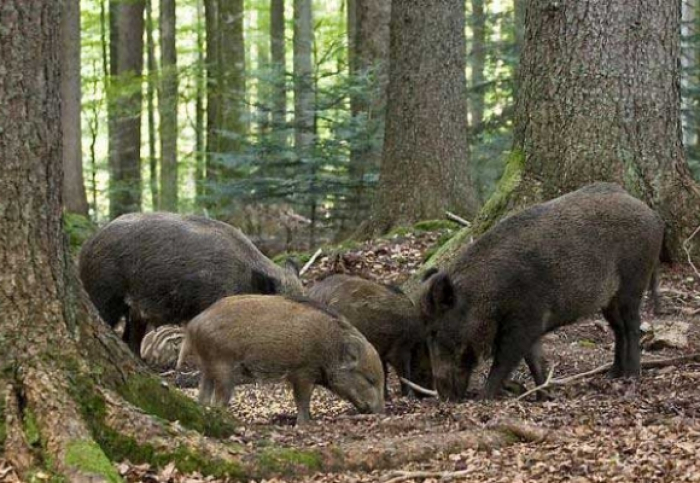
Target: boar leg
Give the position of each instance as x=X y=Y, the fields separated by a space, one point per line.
x=206 y=389
x=509 y=349
x=302 y=388
x=223 y=384
x=632 y=321
x=385 y=368
x=535 y=362
x=612 y=315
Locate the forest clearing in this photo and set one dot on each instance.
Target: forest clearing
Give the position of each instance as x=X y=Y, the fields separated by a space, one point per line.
x=349 y=241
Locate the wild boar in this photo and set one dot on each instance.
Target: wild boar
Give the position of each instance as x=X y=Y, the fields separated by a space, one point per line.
x=383 y=314
x=543 y=268
x=248 y=338
x=164 y=268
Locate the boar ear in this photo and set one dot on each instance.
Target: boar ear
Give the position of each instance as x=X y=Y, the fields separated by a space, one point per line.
x=429 y=273
x=292 y=266
x=350 y=355
x=262 y=284
x=439 y=297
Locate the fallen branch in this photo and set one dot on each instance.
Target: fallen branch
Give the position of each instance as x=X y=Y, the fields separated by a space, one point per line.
x=421 y=389
x=652 y=364
x=525 y=432
x=398 y=476
x=310 y=262
x=458 y=219
x=686 y=245
x=541 y=386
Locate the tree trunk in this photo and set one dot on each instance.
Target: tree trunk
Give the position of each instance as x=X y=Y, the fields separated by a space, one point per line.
x=370 y=62
x=226 y=124
x=152 y=68
x=599 y=100
x=426 y=126
x=75 y=198
x=167 y=107
x=303 y=78
x=278 y=53
x=200 y=88
x=125 y=152
x=478 y=61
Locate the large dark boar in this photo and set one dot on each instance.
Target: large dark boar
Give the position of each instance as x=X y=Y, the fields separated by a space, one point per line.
x=548 y=266
x=249 y=338
x=163 y=268
x=384 y=315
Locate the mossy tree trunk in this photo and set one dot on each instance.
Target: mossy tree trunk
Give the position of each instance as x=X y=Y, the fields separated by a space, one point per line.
x=425 y=165
x=167 y=105
x=599 y=100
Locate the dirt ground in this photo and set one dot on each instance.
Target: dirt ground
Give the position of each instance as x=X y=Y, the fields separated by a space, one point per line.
x=597 y=430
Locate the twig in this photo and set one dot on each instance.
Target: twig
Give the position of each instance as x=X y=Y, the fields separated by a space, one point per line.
x=652 y=364
x=398 y=476
x=458 y=219
x=686 y=245
x=416 y=387
x=541 y=386
x=310 y=262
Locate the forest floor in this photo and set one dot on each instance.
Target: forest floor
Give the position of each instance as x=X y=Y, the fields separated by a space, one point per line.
x=595 y=429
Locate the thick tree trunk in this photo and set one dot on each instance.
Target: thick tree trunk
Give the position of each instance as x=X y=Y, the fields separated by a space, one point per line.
x=125 y=152
x=75 y=198
x=303 y=78
x=425 y=168
x=368 y=28
x=226 y=111
x=167 y=107
x=279 y=63
x=599 y=100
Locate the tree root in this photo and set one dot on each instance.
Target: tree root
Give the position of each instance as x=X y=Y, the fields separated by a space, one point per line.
x=46 y=430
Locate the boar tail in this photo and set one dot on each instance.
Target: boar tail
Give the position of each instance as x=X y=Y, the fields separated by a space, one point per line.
x=184 y=352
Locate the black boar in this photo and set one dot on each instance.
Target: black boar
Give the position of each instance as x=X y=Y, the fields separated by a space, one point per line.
x=543 y=268
x=383 y=314
x=164 y=268
x=248 y=338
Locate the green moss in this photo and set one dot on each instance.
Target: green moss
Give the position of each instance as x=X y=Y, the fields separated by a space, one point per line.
x=89 y=457
x=587 y=343
x=436 y=225
x=287 y=461
x=118 y=447
x=31 y=429
x=497 y=205
x=149 y=394
x=78 y=228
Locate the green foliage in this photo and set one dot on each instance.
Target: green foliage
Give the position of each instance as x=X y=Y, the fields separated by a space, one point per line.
x=78 y=228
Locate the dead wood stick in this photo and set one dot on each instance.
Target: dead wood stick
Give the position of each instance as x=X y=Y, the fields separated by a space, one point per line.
x=457 y=218
x=310 y=262
x=398 y=476
x=686 y=247
x=416 y=387
x=649 y=364
x=546 y=383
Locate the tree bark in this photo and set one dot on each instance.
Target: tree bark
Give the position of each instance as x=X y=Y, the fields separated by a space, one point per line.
x=278 y=53
x=167 y=107
x=368 y=28
x=426 y=126
x=125 y=148
x=303 y=78
x=599 y=100
x=75 y=198
x=152 y=68
x=478 y=63
x=200 y=88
